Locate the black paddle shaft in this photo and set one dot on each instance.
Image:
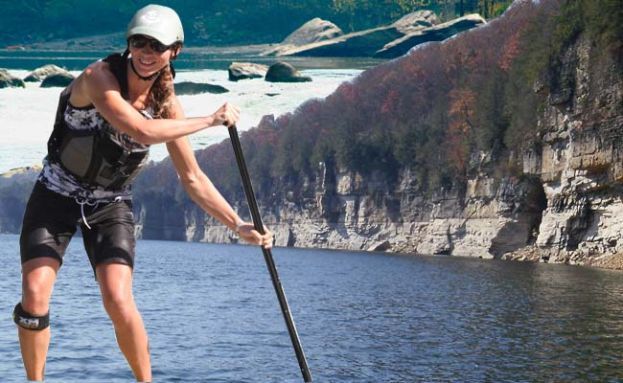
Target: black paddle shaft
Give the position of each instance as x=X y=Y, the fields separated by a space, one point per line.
x=268 y=257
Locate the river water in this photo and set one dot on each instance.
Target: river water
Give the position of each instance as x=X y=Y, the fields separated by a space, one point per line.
x=213 y=316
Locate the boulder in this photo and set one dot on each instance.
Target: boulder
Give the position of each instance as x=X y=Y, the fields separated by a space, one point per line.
x=7 y=80
x=439 y=32
x=241 y=71
x=284 y=72
x=40 y=73
x=189 y=88
x=361 y=43
x=313 y=31
x=416 y=21
x=57 y=80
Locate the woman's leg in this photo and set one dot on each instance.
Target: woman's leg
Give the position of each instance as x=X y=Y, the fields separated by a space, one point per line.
x=38 y=277
x=48 y=225
x=115 y=281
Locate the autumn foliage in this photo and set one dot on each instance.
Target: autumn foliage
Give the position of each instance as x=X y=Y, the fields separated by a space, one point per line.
x=432 y=111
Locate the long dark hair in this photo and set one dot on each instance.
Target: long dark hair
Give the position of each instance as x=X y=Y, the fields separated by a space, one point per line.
x=159 y=98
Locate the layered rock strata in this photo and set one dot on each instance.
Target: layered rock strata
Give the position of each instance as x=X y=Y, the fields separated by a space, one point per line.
x=565 y=207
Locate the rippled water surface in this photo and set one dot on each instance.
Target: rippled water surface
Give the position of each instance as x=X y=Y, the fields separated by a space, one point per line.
x=212 y=316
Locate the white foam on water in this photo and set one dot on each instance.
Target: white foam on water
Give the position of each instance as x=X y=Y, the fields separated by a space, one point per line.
x=27 y=114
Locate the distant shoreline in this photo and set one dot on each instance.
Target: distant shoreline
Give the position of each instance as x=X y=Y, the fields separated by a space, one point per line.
x=192 y=58
x=55 y=47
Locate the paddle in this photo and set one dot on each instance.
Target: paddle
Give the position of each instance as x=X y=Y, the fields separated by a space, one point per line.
x=268 y=257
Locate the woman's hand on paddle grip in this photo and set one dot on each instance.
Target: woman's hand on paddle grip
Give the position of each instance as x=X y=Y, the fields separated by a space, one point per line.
x=227 y=115
x=247 y=232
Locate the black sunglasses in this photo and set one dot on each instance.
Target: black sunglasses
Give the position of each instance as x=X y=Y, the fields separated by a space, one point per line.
x=139 y=42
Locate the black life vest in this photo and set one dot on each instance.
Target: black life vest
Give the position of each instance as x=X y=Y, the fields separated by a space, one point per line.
x=96 y=158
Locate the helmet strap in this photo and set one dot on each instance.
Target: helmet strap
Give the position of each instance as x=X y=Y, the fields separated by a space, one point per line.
x=144 y=78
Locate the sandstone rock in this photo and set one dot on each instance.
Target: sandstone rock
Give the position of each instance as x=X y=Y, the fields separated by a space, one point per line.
x=416 y=21
x=190 y=88
x=9 y=81
x=284 y=72
x=360 y=43
x=386 y=41
x=356 y=44
x=57 y=80
x=313 y=31
x=242 y=71
x=41 y=73
x=440 y=32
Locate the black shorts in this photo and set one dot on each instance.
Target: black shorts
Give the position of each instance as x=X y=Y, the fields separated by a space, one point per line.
x=51 y=220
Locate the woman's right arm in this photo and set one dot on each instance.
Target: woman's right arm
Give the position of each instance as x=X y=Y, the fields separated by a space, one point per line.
x=99 y=86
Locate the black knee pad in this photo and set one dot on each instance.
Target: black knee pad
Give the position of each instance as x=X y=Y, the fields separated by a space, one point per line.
x=29 y=321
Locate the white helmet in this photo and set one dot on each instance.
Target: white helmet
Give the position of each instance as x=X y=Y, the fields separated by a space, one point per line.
x=159 y=22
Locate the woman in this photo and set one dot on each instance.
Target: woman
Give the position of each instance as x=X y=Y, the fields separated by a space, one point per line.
x=106 y=120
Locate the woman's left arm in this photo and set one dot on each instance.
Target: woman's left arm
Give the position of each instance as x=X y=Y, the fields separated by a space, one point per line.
x=203 y=192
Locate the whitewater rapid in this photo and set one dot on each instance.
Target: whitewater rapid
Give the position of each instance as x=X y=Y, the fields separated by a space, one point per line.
x=27 y=114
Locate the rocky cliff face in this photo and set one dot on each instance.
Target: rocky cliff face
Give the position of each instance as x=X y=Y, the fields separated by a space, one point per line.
x=579 y=163
x=566 y=207
x=344 y=210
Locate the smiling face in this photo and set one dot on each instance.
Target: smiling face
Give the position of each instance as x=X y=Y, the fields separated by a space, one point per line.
x=149 y=56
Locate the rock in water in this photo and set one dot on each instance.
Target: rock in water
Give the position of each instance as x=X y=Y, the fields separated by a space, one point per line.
x=40 y=73
x=57 y=80
x=7 y=80
x=242 y=71
x=415 y=21
x=284 y=72
x=189 y=88
x=313 y=31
